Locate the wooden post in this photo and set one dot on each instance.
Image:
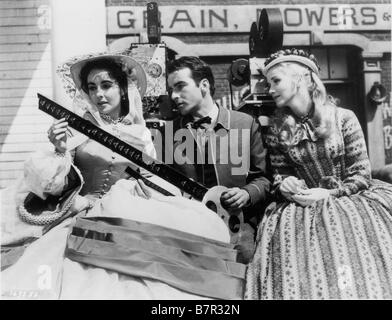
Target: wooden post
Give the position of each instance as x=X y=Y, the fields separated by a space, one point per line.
x=374 y=119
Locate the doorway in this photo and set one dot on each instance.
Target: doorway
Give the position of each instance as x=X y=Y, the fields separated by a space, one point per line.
x=342 y=74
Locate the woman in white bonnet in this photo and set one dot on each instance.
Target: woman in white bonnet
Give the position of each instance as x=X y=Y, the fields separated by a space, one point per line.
x=118 y=239
x=113 y=103
x=106 y=90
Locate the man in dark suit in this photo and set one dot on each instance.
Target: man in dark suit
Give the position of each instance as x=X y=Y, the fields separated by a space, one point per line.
x=227 y=145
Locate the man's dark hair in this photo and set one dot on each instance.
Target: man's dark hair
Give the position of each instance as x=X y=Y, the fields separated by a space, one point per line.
x=115 y=71
x=199 y=70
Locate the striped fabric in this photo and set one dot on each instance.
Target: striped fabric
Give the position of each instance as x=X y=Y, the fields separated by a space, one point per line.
x=182 y=260
x=338 y=248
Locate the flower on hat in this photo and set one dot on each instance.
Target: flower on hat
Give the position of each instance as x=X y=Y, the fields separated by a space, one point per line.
x=292 y=55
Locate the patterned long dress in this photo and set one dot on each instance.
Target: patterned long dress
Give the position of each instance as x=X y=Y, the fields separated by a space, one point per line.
x=337 y=248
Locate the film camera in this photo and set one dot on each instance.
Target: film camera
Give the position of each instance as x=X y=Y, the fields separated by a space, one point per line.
x=266 y=37
x=153 y=56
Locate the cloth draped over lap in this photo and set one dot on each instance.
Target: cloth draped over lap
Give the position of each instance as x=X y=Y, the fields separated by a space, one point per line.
x=171 y=239
x=190 y=263
x=162 y=247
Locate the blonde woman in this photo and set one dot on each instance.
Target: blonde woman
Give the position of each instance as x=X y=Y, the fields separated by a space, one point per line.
x=328 y=235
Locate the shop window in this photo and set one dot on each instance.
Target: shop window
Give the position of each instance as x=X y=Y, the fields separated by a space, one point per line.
x=341 y=74
x=337 y=76
x=337 y=63
x=322 y=58
x=333 y=63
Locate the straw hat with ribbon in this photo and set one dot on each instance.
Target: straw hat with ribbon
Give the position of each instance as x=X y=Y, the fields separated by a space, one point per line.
x=137 y=134
x=70 y=70
x=135 y=72
x=37 y=209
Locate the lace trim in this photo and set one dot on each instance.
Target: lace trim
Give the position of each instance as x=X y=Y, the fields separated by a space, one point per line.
x=44 y=218
x=290 y=135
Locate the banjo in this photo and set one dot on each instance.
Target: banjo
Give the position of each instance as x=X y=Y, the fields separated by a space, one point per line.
x=209 y=196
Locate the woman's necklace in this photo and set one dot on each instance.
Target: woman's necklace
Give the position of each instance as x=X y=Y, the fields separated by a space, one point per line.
x=308 y=116
x=109 y=119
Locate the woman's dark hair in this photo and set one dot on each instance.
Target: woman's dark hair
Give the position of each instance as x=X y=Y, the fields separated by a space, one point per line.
x=115 y=70
x=199 y=70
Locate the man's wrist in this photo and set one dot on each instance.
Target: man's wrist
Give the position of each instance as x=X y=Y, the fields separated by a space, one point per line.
x=248 y=202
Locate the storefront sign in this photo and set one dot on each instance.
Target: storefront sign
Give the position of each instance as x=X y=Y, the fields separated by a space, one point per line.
x=231 y=18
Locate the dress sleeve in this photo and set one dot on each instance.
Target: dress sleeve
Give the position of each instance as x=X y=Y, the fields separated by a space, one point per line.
x=357 y=165
x=45 y=171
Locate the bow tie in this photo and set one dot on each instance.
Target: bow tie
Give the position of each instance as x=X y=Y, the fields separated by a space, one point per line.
x=198 y=123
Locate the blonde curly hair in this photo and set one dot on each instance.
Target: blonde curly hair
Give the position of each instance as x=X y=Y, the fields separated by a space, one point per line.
x=322 y=115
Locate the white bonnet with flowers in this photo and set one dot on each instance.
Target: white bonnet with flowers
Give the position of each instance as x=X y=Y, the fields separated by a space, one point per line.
x=45 y=173
x=291 y=55
x=136 y=134
x=70 y=70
